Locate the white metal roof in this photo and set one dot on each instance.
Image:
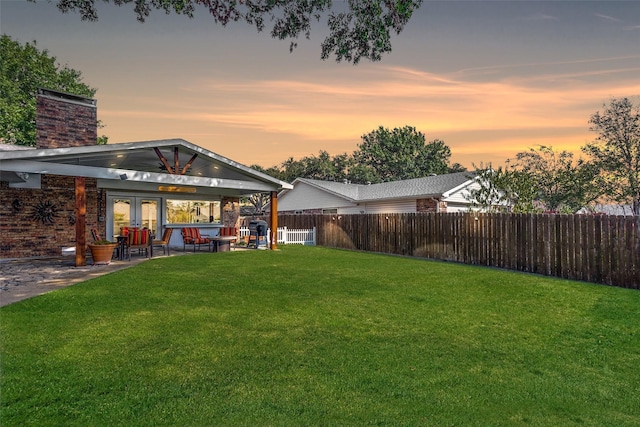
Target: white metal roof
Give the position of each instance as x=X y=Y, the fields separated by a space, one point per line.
x=136 y=166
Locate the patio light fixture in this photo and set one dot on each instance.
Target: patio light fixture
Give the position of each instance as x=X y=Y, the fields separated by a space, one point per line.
x=174 y=189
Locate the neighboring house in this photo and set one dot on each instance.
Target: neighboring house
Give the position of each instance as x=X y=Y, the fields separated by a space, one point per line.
x=623 y=210
x=438 y=193
x=53 y=195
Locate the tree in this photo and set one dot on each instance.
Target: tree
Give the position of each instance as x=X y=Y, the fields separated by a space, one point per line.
x=616 y=150
x=361 y=174
x=563 y=185
x=24 y=69
x=362 y=31
x=401 y=154
x=322 y=167
x=259 y=201
x=292 y=169
x=537 y=180
x=504 y=190
x=383 y=156
x=325 y=167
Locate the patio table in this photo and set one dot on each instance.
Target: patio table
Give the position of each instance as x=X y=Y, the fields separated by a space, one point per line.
x=222 y=243
x=121 y=242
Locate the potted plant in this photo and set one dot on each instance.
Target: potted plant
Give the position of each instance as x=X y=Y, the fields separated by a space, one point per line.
x=102 y=251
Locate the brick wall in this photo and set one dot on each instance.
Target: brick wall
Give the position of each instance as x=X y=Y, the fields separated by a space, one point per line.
x=230 y=212
x=23 y=234
x=431 y=205
x=64 y=120
x=301 y=212
x=39 y=222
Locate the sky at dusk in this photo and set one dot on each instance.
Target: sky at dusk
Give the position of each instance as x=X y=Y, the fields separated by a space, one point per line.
x=488 y=78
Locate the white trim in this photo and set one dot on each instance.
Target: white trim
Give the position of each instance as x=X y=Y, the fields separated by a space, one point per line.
x=448 y=193
x=130 y=176
x=53 y=154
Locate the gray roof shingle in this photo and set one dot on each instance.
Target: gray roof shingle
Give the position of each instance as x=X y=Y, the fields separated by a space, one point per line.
x=427 y=186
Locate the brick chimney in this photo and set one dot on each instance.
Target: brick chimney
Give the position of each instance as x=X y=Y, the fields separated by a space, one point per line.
x=65 y=120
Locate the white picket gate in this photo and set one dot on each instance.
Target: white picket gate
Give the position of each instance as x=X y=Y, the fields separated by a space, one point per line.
x=287 y=236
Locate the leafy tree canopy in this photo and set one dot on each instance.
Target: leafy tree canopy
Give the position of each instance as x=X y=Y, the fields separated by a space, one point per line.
x=363 y=30
x=24 y=69
x=563 y=184
x=401 y=153
x=323 y=166
x=538 y=180
x=504 y=190
x=384 y=155
x=616 y=150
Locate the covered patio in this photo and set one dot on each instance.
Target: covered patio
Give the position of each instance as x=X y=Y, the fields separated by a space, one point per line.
x=91 y=186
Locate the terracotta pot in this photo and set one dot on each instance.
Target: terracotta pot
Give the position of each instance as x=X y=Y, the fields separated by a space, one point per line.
x=102 y=254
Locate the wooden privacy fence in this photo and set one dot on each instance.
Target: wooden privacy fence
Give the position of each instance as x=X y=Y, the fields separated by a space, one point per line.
x=593 y=248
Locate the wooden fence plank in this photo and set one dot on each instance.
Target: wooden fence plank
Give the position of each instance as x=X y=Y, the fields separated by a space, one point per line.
x=596 y=248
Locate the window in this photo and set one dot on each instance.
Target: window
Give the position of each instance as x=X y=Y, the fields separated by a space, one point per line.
x=330 y=211
x=192 y=211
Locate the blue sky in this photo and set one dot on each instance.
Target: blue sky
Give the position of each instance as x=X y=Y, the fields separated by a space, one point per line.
x=488 y=78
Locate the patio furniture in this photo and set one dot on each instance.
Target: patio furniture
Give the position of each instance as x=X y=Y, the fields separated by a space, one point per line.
x=122 y=243
x=191 y=236
x=123 y=240
x=224 y=241
x=139 y=239
x=164 y=242
x=229 y=232
x=95 y=235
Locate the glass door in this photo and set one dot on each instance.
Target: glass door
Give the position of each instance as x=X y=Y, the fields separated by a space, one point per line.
x=147 y=213
x=133 y=211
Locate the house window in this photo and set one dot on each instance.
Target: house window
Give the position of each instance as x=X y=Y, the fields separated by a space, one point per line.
x=192 y=211
x=330 y=211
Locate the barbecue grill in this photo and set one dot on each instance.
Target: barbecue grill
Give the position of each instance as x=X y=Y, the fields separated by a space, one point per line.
x=258 y=234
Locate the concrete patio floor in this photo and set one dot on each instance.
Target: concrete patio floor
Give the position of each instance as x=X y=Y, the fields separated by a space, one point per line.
x=25 y=278
x=29 y=277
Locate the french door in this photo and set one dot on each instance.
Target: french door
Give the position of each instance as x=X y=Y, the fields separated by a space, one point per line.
x=132 y=211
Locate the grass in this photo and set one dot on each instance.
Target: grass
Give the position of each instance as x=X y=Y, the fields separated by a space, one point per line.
x=314 y=336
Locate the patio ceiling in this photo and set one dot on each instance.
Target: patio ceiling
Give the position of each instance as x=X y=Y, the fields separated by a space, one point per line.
x=137 y=166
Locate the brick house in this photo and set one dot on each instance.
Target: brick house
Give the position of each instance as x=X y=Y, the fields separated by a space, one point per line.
x=52 y=196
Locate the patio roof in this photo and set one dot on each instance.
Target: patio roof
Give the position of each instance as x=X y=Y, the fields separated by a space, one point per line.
x=164 y=166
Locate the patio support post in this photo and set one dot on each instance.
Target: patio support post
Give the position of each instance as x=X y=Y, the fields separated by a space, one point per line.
x=274 y=220
x=81 y=222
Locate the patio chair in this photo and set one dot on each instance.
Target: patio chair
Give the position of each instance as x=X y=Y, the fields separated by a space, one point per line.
x=139 y=239
x=95 y=235
x=164 y=242
x=191 y=236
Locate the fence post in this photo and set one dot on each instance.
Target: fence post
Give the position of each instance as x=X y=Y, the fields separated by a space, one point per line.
x=285 y=236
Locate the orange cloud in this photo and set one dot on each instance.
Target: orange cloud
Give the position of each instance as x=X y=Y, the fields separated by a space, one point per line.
x=474 y=115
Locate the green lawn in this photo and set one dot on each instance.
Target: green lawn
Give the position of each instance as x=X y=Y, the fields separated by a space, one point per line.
x=315 y=336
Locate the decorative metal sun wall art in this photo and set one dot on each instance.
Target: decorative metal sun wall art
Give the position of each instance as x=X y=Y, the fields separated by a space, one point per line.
x=45 y=211
x=16 y=205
